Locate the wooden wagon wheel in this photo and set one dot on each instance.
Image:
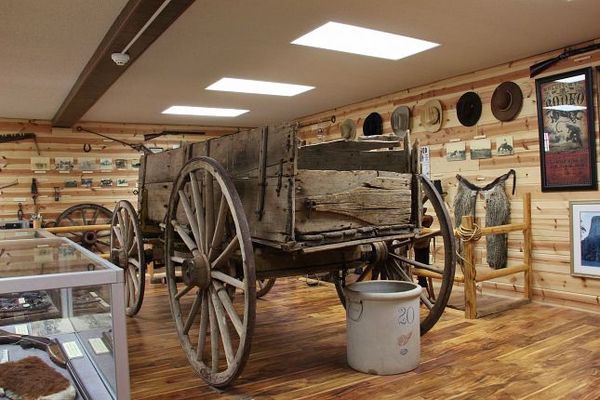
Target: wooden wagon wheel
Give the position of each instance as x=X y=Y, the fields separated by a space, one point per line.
x=263 y=286
x=87 y=214
x=400 y=261
x=127 y=251
x=206 y=222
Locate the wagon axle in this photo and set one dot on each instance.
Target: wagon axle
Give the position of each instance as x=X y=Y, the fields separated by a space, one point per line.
x=195 y=271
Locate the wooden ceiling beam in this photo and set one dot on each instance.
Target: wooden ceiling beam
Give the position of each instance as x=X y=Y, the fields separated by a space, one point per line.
x=101 y=72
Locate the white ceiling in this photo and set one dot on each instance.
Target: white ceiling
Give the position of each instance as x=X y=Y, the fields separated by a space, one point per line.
x=45 y=44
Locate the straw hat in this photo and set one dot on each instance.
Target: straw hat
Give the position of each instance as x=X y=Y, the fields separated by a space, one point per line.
x=431 y=115
x=348 y=129
x=400 y=120
x=507 y=101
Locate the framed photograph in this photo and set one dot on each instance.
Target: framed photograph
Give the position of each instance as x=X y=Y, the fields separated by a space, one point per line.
x=480 y=149
x=87 y=182
x=63 y=164
x=106 y=164
x=87 y=164
x=504 y=146
x=585 y=238
x=122 y=182
x=106 y=182
x=40 y=163
x=121 y=163
x=456 y=151
x=566 y=131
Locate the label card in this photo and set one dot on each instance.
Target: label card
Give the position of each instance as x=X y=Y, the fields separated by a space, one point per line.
x=72 y=350
x=21 y=329
x=98 y=346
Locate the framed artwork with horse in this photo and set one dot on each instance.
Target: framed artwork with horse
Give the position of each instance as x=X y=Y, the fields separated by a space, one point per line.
x=566 y=131
x=585 y=238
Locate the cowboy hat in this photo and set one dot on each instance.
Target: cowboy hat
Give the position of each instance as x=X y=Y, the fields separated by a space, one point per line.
x=373 y=125
x=348 y=129
x=468 y=108
x=507 y=101
x=431 y=115
x=400 y=120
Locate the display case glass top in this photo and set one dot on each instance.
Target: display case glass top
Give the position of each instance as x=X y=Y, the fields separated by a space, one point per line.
x=44 y=256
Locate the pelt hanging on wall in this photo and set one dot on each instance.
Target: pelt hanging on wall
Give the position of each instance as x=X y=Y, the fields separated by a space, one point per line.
x=497 y=212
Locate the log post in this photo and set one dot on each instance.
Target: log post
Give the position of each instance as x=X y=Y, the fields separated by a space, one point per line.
x=528 y=290
x=469 y=271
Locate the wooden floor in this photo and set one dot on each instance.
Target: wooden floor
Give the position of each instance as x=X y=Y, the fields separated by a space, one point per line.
x=299 y=352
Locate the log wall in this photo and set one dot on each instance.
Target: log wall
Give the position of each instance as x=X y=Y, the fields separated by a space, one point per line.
x=15 y=163
x=550 y=211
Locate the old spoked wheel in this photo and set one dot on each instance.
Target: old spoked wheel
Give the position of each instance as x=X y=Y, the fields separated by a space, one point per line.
x=87 y=214
x=263 y=286
x=408 y=260
x=127 y=251
x=208 y=238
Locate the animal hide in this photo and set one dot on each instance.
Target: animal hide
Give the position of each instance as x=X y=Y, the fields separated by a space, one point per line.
x=32 y=379
x=497 y=212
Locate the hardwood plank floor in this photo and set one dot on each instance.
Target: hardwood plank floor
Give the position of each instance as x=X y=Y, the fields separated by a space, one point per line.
x=299 y=352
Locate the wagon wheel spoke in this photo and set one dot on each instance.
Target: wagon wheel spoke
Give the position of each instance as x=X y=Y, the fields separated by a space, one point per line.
x=407 y=278
x=209 y=239
x=193 y=312
x=415 y=263
x=82 y=212
x=199 y=210
x=95 y=216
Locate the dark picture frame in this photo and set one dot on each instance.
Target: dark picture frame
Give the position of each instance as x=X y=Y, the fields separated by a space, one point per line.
x=584 y=218
x=565 y=108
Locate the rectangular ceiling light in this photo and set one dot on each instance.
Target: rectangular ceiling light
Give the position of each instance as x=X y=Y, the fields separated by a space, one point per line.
x=204 y=111
x=364 y=41
x=258 y=87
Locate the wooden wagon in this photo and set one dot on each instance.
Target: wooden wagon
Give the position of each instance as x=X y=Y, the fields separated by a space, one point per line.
x=258 y=204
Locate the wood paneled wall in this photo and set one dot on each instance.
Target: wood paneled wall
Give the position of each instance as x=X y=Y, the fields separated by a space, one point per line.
x=550 y=211
x=54 y=143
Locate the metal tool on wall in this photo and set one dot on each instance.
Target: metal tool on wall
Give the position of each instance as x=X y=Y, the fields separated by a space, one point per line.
x=34 y=195
x=16 y=137
x=136 y=147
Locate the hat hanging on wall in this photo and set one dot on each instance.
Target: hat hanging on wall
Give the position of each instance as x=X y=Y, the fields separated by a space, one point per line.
x=348 y=129
x=373 y=125
x=401 y=121
x=431 y=116
x=507 y=101
x=468 y=108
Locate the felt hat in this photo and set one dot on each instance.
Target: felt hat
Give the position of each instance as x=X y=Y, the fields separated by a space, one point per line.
x=468 y=108
x=348 y=129
x=431 y=115
x=507 y=101
x=373 y=125
x=400 y=120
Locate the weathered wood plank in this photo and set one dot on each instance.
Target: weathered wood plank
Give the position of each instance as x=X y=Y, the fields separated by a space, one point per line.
x=340 y=200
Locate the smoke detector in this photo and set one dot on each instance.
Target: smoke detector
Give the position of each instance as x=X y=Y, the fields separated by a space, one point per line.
x=120 y=58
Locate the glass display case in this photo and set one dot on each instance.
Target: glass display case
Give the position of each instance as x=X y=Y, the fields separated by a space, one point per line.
x=65 y=305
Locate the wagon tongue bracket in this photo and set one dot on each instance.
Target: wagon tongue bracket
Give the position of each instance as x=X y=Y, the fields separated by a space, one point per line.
x=196 y=271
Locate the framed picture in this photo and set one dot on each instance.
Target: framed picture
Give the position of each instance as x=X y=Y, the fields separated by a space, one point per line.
x=566 y=131
x=63 y=164
x=504 y=146
x=585 y=238
x=87 y=164
x=456 y=151
x=106 y=164
x=480 y=149
x=40 y=163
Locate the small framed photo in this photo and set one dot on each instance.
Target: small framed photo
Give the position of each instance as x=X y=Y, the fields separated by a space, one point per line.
x=70 y=183
x=40 y=163
x=106 y=164
x=504 y=146
x=63 y=164
x=135 y=164
x=87 y=164
x=585 y=238
x=106 y=182
x=121 y=163
x=480 y=149
x=87 y=182
x=122 y=182
x=456 y=151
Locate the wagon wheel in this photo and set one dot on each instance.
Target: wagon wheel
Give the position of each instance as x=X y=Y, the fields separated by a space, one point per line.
x=264 y=286
x=401 y=261
x=127 y=251
x=87 y=214
x=206 y=220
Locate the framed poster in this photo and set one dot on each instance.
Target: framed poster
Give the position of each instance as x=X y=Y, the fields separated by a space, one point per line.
x=585 y=238
x=456 y=151
x=566 y=131
x=480 y=149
